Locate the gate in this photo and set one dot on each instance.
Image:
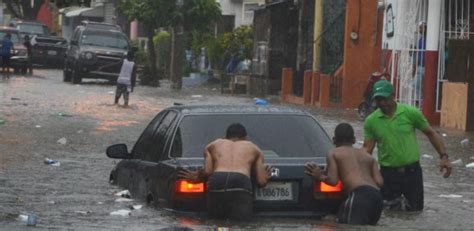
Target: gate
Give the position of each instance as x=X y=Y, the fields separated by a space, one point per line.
x=405 y=40
x=455 y=26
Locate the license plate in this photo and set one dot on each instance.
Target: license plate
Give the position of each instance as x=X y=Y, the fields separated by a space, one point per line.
x=275 y=191
x=52 y=52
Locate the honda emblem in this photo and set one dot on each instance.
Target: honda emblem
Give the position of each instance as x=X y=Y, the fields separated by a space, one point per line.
x=275 y=172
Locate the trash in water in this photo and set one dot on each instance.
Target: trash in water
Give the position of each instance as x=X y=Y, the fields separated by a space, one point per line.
x=80 y=131
x=100 y=203
x=196 y=96
x=124 y=193
x=38 y=126
x=470 y=165
x=111 y=93
x=260 y=102
x=444 y=134
x=426 y=156
x=31 y=221
x=62 y=141
x=2 y=122
x=51 y=202
x=14 y=98
x=465 y=142
x=450 y=196
x=83 y=212
x=22 y=217
x=136 y=207
x=122 y=212
x=64 y=114
x=457 y=162
x=51 y=162
x=123 y=200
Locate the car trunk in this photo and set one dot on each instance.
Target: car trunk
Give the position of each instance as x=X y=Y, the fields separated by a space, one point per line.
x=289 y=192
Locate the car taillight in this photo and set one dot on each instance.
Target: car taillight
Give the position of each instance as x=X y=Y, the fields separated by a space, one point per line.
x=323 y=187
x=184 y=186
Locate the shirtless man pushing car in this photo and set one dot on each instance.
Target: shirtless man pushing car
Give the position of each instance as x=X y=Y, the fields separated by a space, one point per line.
x=228 y=164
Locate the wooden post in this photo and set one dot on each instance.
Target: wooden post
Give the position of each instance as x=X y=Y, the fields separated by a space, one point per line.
x=315 y=87
x=324 y=91
x=307 y=85
x=286 y=83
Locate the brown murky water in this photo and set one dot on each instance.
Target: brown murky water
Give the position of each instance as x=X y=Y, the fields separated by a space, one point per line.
x=77 y=194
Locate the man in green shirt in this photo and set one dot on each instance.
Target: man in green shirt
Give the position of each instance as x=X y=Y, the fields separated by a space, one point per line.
x=392 y=127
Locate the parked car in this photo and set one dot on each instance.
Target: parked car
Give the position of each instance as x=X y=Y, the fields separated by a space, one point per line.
x=95 y=53
x=19 y=57
x=32 y=28
x=48 y=50
x=176 y=139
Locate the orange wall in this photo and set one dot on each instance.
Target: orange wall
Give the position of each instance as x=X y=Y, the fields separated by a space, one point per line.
x=362 y=55
x=45 y=15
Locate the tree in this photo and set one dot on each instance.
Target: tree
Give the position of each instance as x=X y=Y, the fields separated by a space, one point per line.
x=153 y=14
x=197 y=14
x=23 y=9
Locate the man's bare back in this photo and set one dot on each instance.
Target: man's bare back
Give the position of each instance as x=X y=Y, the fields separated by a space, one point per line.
x=233 y=155
x=356 y=167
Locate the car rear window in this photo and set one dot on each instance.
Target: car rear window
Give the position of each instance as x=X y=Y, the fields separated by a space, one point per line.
x=33 y=29
x=277 y=135
x=15 y=36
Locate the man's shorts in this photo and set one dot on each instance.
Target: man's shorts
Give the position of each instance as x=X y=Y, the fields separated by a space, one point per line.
x=363 y=206
x=6 y=61
x=229 y=196
x=406 y=181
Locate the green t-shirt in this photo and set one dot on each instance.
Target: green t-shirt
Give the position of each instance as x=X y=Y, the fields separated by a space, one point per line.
x=396 y=136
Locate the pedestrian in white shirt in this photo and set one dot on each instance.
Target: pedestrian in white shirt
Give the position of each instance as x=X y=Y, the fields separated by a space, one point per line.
x=126 y=80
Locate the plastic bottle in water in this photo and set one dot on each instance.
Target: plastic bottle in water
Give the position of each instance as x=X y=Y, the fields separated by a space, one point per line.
x=31 y=221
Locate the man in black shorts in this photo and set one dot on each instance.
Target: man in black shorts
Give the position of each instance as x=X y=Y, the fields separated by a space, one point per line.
x=359 y=174
x=227 y=166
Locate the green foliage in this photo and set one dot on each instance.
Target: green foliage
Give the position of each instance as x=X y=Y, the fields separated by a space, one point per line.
x=216 y=51
x=162 y=42
x=239 y=42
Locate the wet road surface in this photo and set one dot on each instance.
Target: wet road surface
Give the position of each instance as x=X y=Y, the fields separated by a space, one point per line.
x=39 y=111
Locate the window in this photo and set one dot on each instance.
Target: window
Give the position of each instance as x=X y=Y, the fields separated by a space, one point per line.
x=160 y=137
x=276 y=135
x=145 y=141
x=249 y=9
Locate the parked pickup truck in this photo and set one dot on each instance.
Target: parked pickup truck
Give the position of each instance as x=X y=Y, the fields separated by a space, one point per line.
x=48 y=50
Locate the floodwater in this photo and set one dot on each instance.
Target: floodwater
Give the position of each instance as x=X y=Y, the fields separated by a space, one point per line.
x=39 y=111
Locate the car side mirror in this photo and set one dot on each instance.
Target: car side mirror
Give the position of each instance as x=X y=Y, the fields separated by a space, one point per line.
x=118 y=151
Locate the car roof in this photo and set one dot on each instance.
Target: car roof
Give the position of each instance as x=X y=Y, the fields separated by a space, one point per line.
x=237 y=109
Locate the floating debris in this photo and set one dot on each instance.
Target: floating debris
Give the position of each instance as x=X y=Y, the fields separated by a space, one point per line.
x=427 y=156
x=124 y=200
x=196 y=96
x=465 y=142
x=38 y=126
x=450 y=196
x=124 y=193
x=51 y=162
x=457 y=162
x=121 y=212
x=136 y=207
x=470 y=165
x=83 y=212
x=62 y=141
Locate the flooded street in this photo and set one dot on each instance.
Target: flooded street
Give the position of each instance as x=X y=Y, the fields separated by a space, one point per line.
x=73 y=124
